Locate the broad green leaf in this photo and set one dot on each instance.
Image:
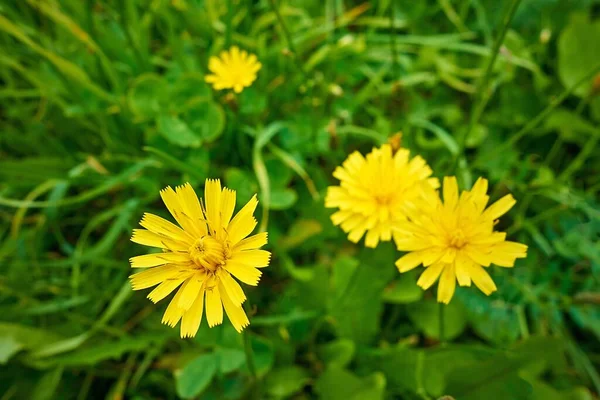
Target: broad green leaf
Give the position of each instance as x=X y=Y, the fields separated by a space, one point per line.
x=358 y=304
x=283 y=199
x=147 y=96
x=339 y=352
x=284 y=382
x=9 y=346
x=206 y=120
x=195 y=376
x=177 y=132
x=425 y=316
x=403 y=290
x=300 y=231
x=47 y=385
x=230 y=359
x=578 y=49
x=336 y=383
x=264 y=355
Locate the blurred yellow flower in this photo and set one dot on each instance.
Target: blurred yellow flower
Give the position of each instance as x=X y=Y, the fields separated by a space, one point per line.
x=373 y=190
x=234 y=69
x=202 y=257
x=456 y=239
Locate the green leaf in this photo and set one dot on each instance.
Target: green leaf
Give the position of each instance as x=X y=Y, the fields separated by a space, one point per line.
x=9 y=346
x=189 y=89
x=147 y=96
x=425 y=315
x=230 y=359
x=339 y=352
x=47 y=385
x=578 y=49
x=300 y=231
x=338 y=384
x=286 y=381
x=206 y=120
x=283 y=199
x=264 y=355
x=195 y=377
x=403 y=290
x=177 y=132
x=359 y=288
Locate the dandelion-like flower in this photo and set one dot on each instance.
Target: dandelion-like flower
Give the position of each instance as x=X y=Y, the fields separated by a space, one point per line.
x=456 y=238
x=373 y=190
x=202 y=257
x=234 y=69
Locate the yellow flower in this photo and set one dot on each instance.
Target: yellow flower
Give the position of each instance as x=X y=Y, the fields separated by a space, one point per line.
x=234 y=69
x=456 y=239
x=202 y=257
x=373 y=190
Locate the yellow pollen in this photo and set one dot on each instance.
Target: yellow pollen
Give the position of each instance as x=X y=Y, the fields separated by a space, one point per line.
x=457 y=239
x=207 y=252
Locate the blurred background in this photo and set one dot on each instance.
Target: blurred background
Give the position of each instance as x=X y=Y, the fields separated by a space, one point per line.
x=103 y=103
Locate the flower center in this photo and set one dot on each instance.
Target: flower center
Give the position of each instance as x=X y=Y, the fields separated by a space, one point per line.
x=383 y=199
x=209 y=253
x=457 y=239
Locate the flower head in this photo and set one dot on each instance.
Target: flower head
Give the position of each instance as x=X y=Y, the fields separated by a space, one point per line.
x=200 y=257
x=234 y=69
x=456 y=239
x=373 y=190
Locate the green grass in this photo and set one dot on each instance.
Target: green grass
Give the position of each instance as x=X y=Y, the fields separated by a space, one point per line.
x=103 y=103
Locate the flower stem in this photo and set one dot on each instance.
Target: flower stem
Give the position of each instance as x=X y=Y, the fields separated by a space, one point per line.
x=249 y=355
x=441 y=307
x=393 y=47
x=288 y=37
x=481 y=95
x=229 y=30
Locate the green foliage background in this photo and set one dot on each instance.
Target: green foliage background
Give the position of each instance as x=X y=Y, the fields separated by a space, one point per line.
x=103 y=103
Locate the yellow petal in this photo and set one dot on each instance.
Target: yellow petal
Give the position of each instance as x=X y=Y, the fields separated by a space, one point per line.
x=432 y=255
x=173 y=313
x=430 y=275
x=340 y=216
x=408 y=261
x=212 y=197
x=192 y=210
x=447 y=285
x=152 y=260
x=236 y=314
x=478 y=256
x=214 y=308
x=372 y=238
x=412 y=243
x=159 y=225
x=164 y=289
x=192 y=317
x=252 y=258
x=147 y=238
x=517 y=249
x=482 y=279
x=450 y=193
x=243 y=223
x=461 y=268
x=231 y=287
x=227 y=205
x=252 y=242
x=244 y=273
x=500 y=207
x=479 y=194
x=191 y=290
x=502 y=259
x=153 y=276
x=172 y=201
